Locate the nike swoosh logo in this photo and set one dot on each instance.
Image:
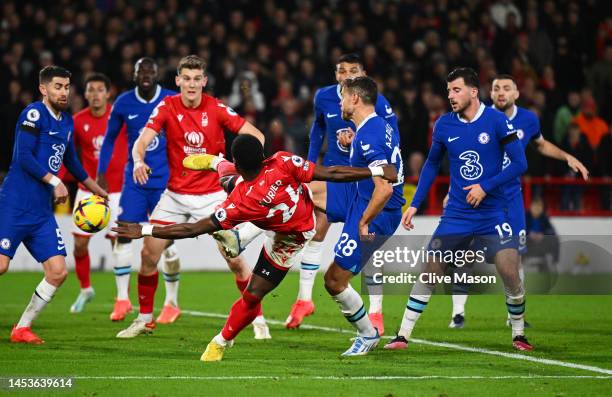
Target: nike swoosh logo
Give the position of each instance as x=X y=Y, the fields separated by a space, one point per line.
x=53 y=132
x=388 y=109
x=132 y=116
x=452 y=139
x=329 y=115
x=60 y=247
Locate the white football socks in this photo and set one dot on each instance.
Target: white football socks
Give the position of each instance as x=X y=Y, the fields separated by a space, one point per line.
x=311 y=261
x=42 y=295
x=352 y=307
x=171 y=273
x=123 y=259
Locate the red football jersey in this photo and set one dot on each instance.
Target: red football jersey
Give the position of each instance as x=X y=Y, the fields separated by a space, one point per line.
x=277 y=200
x=88 y=136
x=192 y=131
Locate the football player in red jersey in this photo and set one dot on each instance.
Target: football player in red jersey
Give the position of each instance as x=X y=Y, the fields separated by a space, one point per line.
x=89 y=128
x=272 y=194
x=194 y=123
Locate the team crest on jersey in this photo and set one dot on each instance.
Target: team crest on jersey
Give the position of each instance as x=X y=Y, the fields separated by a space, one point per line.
x=154 y=143
x=297 y=161
x=5 y=243
x=86 y=127
x=484 y=138
x=33 y=115
x=221 y=214
x=344 y=149
x=520 y=134
x=204 y=119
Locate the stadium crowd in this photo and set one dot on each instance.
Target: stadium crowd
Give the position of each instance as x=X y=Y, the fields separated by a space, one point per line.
x=266 y=59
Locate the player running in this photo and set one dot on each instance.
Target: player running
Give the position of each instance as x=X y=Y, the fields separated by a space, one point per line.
x=193 y=124
x=271 y=193
x=132 y=110
x=43 y=140
x=89 y=128
x=476 y=138
x=504 y=93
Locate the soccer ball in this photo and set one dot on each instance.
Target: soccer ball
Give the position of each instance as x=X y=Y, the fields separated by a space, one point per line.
x=91 y=214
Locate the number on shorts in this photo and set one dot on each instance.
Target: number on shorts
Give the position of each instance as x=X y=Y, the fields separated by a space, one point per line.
x=522 y=237
x=504 y=227
x=60 y=238
x=349 y=245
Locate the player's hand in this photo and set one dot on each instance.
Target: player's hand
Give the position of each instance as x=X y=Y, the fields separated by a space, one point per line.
x=364 y=232
x=101 y=181
x=475 y=195
x=141 y=172
x=578 y=167
x=128 y=230
x=407 y=218
x=390 y=173
x=346 y=136
x=60 y=193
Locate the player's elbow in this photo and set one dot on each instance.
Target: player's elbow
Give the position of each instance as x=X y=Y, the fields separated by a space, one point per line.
x=385 y=189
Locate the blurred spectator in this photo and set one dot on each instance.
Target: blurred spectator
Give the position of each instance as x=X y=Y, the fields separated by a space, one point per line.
x=542 y=240
x=577 y=145
x=599 y=77
x=604 y=167
x=564 y=116
x=504 y=10
x=593 y=127
x=294 y=126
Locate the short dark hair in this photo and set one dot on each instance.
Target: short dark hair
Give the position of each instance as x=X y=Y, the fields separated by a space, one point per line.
x=191 y=62
x=364 y=86
x=505 y=76
x=148 y=60
x=47 y=73
x=469 y=76
x=351 y=58
x=98 y=77
x=247 y=152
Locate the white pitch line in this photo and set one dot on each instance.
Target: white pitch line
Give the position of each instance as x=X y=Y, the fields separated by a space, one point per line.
x=454 y=346
x=351 y=378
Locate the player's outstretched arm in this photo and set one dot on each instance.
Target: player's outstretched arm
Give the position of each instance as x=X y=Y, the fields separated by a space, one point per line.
x=248 y=128
x=549 y=149
x=340 y=173
x=170 y=232
x=141 y=169
x=113 y=128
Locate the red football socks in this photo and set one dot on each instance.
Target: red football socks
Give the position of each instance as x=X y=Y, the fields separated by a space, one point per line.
x=81 y=267
x=242 y=314
x=147 y=285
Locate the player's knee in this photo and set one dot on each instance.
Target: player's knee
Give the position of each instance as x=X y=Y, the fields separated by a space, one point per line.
x=333 y=284
x=149 y=258
x=4 y=265
x=57 y=276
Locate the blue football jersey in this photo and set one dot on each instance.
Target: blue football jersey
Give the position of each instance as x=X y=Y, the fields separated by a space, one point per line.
x=133 y=111
x=527 y=126
x=476 y=152
x=328 y=123
x=42 y=141
x=376 y=142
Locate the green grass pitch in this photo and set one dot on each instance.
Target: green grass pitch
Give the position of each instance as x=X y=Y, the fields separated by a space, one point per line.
x=306 y=362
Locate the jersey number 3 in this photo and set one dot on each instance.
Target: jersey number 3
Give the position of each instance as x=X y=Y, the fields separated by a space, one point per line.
x=472 y=169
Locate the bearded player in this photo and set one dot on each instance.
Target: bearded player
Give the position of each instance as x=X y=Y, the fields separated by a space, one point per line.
x=504 y=93
x=43 y=141
x=193 y=123
x=89 y=129
x=271 y=193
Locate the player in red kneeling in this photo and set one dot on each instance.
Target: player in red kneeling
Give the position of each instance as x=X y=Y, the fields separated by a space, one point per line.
x=272 y=194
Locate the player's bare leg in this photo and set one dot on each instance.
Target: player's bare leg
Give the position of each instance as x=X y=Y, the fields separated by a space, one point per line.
x=242 y=274
x=337 y=283
x=507 y=264
x=246 y=308
x=55 y=274
x=123 y=257
x=311 y=261
x=417 y=302
x=82 y=269
x=148 y=279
